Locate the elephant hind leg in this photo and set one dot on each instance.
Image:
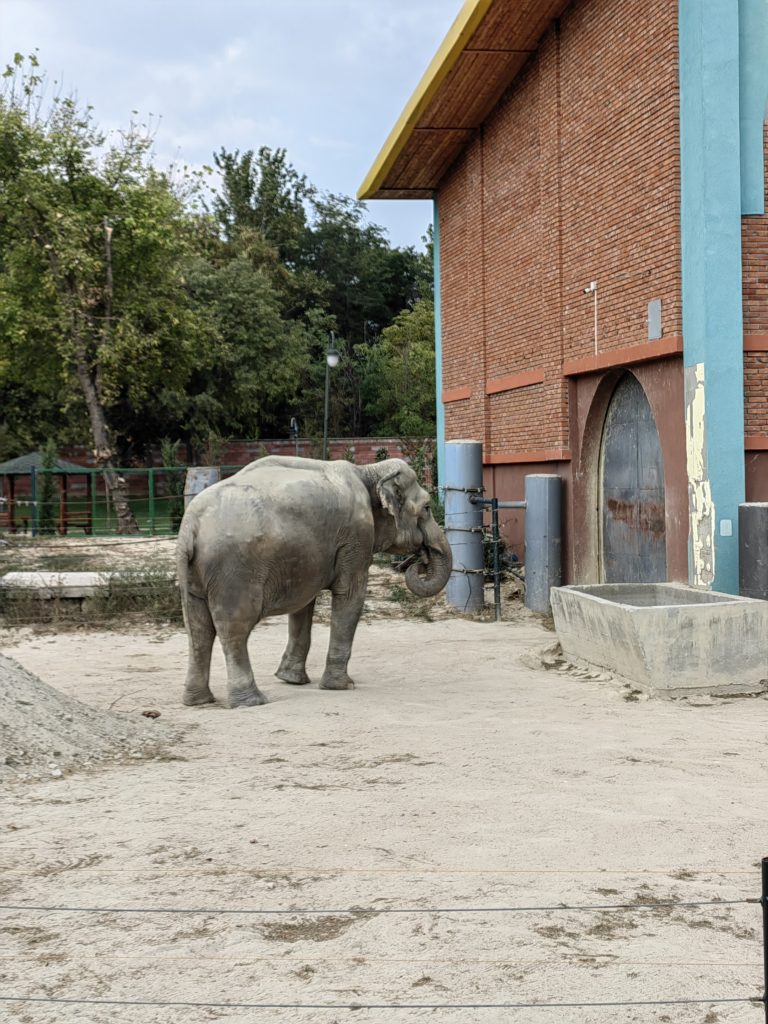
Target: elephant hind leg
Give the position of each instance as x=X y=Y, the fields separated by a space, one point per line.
x=243 y=691
x=293 y=666
x=201 y=634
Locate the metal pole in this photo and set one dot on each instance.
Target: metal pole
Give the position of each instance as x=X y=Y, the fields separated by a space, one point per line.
x=764 y=905
x=496 y=565
x=543 y=540
x=94 y=482
x=151 y=502
x=464 y=524
x=33 y=496
x=753 y=549
x=325 y=417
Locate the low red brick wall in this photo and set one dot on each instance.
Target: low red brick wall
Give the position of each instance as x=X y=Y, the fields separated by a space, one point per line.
x=361 y=450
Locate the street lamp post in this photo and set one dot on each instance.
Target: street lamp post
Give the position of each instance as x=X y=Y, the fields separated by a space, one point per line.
x=331 y=361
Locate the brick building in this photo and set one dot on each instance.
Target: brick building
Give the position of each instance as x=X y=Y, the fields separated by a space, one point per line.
x=597 y=170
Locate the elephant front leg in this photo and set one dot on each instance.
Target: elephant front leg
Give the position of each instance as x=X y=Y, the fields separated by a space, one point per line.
x=293 y=666
x=345 y=614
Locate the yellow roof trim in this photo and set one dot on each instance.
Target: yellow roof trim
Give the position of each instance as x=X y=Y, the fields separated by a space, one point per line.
x=461 y=31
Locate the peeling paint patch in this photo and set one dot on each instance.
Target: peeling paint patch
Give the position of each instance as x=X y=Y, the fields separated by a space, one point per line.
x=701 y=510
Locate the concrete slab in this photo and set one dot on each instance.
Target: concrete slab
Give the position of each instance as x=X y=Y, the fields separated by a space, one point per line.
x=668 y=639
x=49 y=585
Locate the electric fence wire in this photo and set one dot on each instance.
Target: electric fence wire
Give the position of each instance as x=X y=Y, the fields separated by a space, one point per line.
x=320 y=911
x=172 y=1004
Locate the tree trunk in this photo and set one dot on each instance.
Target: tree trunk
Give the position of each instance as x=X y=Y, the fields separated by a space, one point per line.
x=117 y=486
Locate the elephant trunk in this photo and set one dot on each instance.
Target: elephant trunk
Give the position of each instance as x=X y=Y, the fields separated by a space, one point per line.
x=429 y=574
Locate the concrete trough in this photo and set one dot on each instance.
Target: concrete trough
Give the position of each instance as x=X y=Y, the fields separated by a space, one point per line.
x=667 y=639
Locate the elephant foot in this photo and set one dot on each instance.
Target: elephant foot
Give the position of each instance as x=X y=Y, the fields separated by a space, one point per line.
x=247 y=699
x=194 y=699
x=336 y=682
x=293 y=674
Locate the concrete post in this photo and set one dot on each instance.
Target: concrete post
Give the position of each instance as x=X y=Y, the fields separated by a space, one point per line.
x=464 y=523
x=197 y=479
x=753 y=549
x=543 y=539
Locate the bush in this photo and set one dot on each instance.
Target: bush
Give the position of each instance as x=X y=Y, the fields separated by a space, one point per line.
x=175 y=476
x=48 y=503
x=146 y=593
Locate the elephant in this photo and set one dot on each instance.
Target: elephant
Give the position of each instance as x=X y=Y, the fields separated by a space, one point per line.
x=267 y=540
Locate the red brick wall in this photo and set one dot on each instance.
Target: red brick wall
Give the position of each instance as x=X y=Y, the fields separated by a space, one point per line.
x=754 y=238
x=240 y=453
x=461 y=243
x=573 y=178
x=754 y=235
x=756 y=393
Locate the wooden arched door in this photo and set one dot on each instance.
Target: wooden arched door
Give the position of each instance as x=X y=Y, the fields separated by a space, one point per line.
x=632 y=509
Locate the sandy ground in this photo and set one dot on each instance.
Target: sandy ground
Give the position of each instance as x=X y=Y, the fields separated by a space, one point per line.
x=456 y=774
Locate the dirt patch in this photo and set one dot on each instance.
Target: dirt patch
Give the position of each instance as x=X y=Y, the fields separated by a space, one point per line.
x=84 y=554
x=317 y=929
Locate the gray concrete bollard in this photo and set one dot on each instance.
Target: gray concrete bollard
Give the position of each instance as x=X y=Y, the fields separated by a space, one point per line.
x=464 y=523
x=543 y=539
x=753 y=549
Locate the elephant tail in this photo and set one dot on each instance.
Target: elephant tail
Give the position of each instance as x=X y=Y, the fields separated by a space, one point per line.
x=185 y=552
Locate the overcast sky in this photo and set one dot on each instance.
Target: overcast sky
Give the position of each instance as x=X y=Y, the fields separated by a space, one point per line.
x=326 y=79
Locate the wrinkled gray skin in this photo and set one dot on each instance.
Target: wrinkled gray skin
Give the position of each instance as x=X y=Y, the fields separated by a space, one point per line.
x=269 y=539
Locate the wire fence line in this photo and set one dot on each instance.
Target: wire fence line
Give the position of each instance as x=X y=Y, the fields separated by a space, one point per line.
x=97 y=542
x=361 y=959
x=372 y=911
x=190 y=1004
x=302 y=870
x=369 y=912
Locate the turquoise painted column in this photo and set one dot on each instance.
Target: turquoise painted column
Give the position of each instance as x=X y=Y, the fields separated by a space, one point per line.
x=753 y=90
x=440 y=417
x=712 y=286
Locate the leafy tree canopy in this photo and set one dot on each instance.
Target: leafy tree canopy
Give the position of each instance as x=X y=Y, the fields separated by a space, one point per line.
x=133 y=308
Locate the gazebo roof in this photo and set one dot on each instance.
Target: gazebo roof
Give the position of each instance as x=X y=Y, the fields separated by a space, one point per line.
x=23 y=465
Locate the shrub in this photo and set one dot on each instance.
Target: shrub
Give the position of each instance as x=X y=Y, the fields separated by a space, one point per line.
x=175 y=475
x=48 y=503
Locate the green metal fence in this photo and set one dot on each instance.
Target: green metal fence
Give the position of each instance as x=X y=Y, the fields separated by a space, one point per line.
x=78 y=503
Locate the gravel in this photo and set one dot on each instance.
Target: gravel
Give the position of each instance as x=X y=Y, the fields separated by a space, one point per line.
x=44 y=734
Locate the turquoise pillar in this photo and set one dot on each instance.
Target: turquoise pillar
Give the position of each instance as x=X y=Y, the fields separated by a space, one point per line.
x=753 y=90
x=440 y=417
x=710 y=157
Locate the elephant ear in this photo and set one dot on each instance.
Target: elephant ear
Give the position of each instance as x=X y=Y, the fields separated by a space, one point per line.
x=390 y=495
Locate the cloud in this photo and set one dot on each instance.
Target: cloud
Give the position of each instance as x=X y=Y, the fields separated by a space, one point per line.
x=325 y=79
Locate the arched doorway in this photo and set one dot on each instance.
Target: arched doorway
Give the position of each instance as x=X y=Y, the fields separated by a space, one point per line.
x=632 y=508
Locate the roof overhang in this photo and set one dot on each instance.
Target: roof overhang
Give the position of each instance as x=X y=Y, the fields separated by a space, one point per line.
x=484 y=50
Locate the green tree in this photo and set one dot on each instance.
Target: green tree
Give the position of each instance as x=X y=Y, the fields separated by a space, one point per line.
x=263 y=192
x=399 y=387
x=175 y=476
x=366 y=284
x=260 y=357
x=92 y=248
x=49 y=499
